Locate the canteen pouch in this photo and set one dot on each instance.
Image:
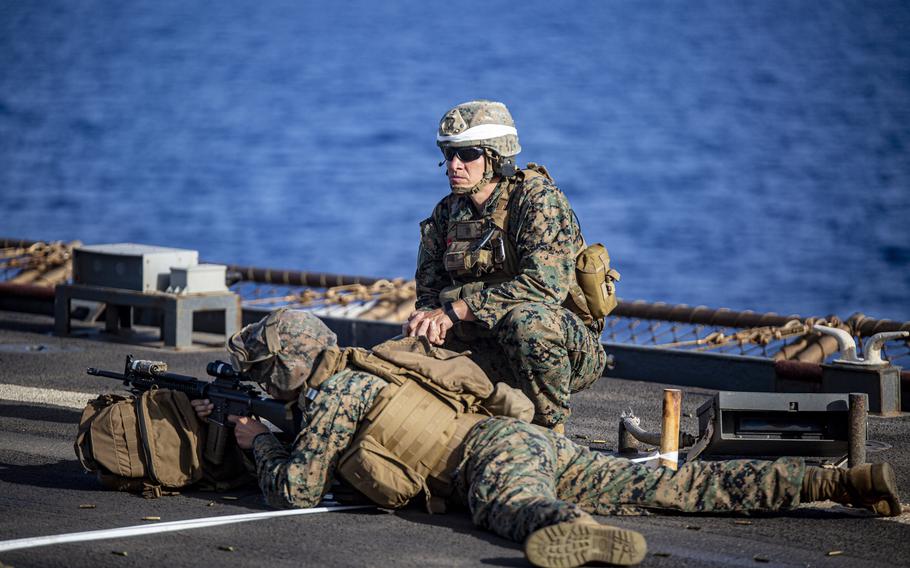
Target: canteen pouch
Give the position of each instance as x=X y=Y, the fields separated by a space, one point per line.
x=379 y=475
x=596 y=280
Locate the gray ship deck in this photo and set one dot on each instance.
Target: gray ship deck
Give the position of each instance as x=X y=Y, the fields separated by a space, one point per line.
x=42 y=487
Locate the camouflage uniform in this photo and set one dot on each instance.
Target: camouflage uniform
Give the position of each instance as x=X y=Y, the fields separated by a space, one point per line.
x=522 y=334
x=515 y=477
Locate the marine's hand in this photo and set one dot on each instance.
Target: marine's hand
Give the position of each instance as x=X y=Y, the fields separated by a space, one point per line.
x=434 y=324
x=413 y=319
x=246 y=429
x=203 y=407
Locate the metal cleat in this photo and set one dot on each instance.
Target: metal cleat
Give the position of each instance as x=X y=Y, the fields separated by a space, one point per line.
x=872 y=353
x=846 y=345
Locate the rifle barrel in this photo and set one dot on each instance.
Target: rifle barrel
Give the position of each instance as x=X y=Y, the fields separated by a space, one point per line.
x=103 y=373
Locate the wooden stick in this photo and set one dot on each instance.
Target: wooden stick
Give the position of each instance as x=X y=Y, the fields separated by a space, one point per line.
x=669 y=431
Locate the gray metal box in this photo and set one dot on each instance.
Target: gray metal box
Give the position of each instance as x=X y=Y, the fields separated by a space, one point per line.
x=129 y=266
x=198 y=279
x=881 y=382
x=776 y=424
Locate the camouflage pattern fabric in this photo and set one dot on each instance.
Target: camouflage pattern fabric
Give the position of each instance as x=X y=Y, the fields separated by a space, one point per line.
x=517 y=478
x=301 y=476
x=549 y=348
x=475 y=113
x=280 y=349
x=543 y=350
x=303 y=337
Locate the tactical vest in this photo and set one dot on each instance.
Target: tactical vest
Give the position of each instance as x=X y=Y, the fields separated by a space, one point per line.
x=410 y=439
x=480 y=249
x=481 y=254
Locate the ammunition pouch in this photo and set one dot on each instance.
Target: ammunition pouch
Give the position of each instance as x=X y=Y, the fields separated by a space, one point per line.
x=477 y=247
x=461 y=260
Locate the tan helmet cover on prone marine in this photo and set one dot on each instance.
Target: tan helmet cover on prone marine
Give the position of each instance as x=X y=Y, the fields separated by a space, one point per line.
x=281 y=349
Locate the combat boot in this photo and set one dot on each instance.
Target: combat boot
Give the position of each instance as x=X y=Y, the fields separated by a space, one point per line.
x=871 y=486
x=575 y=543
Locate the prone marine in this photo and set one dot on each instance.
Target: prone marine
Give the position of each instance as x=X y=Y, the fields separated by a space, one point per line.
x=409 y=419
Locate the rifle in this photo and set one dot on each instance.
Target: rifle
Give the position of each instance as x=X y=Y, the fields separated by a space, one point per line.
x=226 y=392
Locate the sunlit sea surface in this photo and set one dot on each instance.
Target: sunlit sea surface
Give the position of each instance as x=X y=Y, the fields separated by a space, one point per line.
x=751 y=155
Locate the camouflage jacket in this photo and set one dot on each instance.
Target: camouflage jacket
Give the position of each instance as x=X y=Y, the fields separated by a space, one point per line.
x=543 y=230
x=301 y=476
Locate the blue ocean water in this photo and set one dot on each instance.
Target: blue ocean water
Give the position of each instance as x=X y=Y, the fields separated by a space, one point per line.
x=743 y=154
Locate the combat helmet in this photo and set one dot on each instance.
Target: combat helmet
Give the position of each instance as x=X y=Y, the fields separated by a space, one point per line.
x=486 y=124
x=280 y=350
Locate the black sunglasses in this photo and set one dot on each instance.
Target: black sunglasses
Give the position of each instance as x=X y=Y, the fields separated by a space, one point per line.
x=468 y=154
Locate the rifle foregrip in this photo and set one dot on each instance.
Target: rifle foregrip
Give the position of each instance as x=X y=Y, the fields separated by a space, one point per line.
x=215 y=442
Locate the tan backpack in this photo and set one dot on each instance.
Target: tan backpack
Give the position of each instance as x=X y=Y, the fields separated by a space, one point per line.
x=152 y=443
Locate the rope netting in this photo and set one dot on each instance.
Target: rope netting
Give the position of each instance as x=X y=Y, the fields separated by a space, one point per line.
x=382 y=300
x=793 y=340
x=639 y=323
x=39 y=263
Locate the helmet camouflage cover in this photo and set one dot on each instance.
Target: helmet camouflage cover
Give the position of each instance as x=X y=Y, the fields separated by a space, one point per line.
x=281 y=349
x=483 y=123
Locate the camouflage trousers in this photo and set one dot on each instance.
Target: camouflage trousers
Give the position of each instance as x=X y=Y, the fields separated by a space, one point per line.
x=544 y=350
x=516 y=478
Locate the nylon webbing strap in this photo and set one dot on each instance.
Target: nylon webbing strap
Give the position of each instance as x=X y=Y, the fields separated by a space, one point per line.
x=129 y=461
x=500 y=215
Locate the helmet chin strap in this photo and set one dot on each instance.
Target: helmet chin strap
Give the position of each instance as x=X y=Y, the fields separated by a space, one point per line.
x=487 y=178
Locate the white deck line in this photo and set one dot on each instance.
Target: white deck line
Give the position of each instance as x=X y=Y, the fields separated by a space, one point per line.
x=66 y=399
x=140 y=530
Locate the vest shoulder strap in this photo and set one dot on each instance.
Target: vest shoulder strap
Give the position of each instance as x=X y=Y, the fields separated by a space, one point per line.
x=500 y=215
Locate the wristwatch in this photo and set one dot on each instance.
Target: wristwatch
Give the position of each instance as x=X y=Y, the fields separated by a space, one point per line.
x=450 y=311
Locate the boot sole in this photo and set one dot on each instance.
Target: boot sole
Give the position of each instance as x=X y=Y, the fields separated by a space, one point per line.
x=570 y=544
x=884 y=481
